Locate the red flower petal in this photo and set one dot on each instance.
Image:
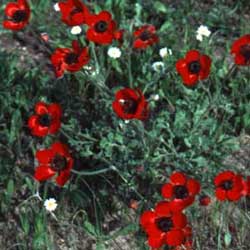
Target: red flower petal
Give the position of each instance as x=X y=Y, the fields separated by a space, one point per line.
x=221 y=194
x=178 y=178
x=174 y=237
x=193 y=186
x=179 y=220
x=43 y=173
x=167 y=191
x=62 y=178
x=163 y=209
x=148 y=217
x=41 y=108
x=44 y=156
x=155 y=241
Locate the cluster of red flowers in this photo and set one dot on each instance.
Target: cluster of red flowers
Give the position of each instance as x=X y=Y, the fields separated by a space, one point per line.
x=57 y=159
x=167 y=225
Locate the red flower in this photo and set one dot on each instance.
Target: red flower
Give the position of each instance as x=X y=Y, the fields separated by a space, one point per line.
x=205 y=200
x=229 y=186
x=69 y=59
x=74 y=12
x=163 y=226
x=181 y=191
x=102 y=28
x=46 y=120
x=130 y=104
x=55 y=160
x=18 y=15
x=145 y=36
x=193 y=67
x=241 y=50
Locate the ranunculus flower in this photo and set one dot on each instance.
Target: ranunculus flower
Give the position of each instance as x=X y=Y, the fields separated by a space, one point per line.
x=74 y=12
x=102 y=29
x=181 y=190
x=193 y=67
x=18 y=15
x=241 y=50
x=46 y=120
x=229 y=186
x=163 y=226
x=145 y=36
x=130 y=104
x=67 y=59
x=54 y=161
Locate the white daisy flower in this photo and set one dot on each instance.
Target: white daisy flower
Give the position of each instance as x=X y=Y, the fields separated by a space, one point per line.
x=202 y=31
x=158 y=66
x=50 y=204
x=114 y=52
x=164 y=52
x=76 y=30
x=56 y=7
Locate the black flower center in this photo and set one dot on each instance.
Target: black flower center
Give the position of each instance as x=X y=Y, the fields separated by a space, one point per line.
x=19 y=16
x=164 y=224
x=101 y=27
x=194 y=67
x=227 y=185
x=245 y=51
x=180 y=192
x=44 y=120
x=59 y=163
x=76 y=10
x=71 y=58
x=129 y=106
x=145 y=35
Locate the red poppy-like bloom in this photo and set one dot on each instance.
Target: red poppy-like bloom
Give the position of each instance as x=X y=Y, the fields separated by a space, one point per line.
x=163 y=226
x=17 y=14
x=193 y=67
x=241 y=51
x=55 y=160
x=130 y=104
x=47 y=119
x=229 y=186
x=102 y=28
x=145 y=36
x=69 y=59
x=205 y=200
x=74 y=12
x=180 y=190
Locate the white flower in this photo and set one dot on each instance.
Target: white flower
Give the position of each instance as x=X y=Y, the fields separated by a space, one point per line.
x=155 y=97
x=158 y=66
x=76 y=30
x=114 y=52
x=50 y=204
x=126 y=121
x=202 y=31
x=56 y=7
x=164 y=52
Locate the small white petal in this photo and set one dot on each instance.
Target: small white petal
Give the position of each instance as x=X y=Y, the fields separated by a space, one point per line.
x=199 y=37
x=76 y=30
x=126 y=121
x=203 y=31
x=114 y=52
x=156 y=97
x=56 y=7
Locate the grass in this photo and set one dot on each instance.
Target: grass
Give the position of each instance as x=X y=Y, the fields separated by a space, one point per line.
x=190 y=130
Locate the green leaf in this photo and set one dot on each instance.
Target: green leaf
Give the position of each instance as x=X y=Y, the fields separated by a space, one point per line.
x=160 y=7
x=90 y=228
x=227 y=239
